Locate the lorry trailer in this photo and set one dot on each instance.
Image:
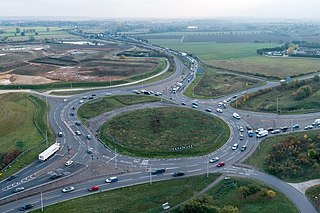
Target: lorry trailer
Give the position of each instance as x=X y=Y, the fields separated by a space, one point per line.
x=48 y=152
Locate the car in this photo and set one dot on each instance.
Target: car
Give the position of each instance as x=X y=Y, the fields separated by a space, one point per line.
x=224 y=106
x=220 y=104
x=93 y=95
x=241 y=137
x=77 y=123
x=88 y=137
x=56 y=175
x=248 y=128
x=226 y=178
x=136 y=91
x=208 y=110
x=19 y=189
x=241 y=129
x=259 y=130
x=73 y=108
x=26 y=207
x=243 y=148
x=183 y=103
x=60 y=134
x=78 y=132
x=308 y=127
x=296 y=126
x=94 y=188
x=194 y=106
x=235 y=96
x=195 y=103
x=158 y=171
x=250 y=133
x=244 y=92
x=284 y=128
x=81 y=101
x=270 y=129
x=84 y=97
x=220 y=164
x=12 y=177
x=235 y=146
x=68 y=189
x=178 y=174
x=107 y=94
x=276 y=131
x=90 y=98
x=89 y=150
x=72 y=113
x=236 y=115
x=219 y=110
x=68 y=163
x=112 y=180
x=158 y=94
x=213 y=160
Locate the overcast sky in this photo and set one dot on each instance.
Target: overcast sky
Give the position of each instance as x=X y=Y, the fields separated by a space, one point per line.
x=308 y=9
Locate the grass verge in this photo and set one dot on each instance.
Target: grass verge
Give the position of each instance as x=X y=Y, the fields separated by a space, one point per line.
x=165 y=132
x=139 y=198
x=23 y=126
x=313 y=193
x=289 y=157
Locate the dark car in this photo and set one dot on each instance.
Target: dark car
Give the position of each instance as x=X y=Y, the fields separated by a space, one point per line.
x=158 y=171
x=72 y=113
x=270 y=129
x=73 y=108
x=77 y=123
x=220 y=164
x=284 y=129
x=208 y=110
x=90 y=98
x=178 y=174
x=26 y=207
x=12 y=177
x=183 y=104
x=243 y=148
x=56 y=175
x=248 y=128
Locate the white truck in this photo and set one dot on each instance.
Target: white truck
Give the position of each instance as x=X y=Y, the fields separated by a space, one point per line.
x=48 y=152
x=236 y=115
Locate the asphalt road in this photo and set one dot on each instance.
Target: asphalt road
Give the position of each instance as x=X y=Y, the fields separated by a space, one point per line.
x=37 y=175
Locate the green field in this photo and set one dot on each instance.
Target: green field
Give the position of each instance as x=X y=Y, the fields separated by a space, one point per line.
x=313 y=193
x=242 y=57
x=146 y=198
x=97 y=107
x=215 y=83
x=230 y=192
x=284 y=97
x=293 y=161
x=18 y=112
x=140 y=198
x=156 y=132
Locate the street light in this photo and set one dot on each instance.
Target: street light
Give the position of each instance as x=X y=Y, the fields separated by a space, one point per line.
x=150 y=175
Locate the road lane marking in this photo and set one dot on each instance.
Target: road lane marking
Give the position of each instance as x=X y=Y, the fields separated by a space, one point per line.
x=195 y=170
x=192 y=165
x=126 y=180
x=173 y=168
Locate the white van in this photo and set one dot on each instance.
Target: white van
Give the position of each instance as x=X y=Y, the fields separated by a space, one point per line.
x=112 y=180
x=262 y=133
x=236 y=115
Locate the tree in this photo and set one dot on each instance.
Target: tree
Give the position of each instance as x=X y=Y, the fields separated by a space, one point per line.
x=229 y=209
x=302 y=92
x=316 y=78
x=23 y=33
x=271 y=193
x=47 y=29
x=18 y=30
x=36 y=33
x=20 y=145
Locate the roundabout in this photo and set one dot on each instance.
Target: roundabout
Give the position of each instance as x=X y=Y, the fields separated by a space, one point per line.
x=165 y=132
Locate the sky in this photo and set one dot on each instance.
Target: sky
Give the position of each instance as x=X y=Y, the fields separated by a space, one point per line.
x=290 y=9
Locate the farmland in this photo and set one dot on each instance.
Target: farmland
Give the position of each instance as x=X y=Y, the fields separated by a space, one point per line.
x=242 y=57
x=156 y=132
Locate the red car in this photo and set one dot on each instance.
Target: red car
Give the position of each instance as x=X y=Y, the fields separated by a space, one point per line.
x=220 y=164
x=94 y=188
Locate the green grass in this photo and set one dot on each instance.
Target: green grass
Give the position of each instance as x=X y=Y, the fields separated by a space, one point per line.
x=140 y=198
x=99 y=106
x=242 y=57
x=155 y=132
x=18 y=115
x=227 y=193
x=259 y=157
x=215 y=83
x=266 y=100
x=313 y=193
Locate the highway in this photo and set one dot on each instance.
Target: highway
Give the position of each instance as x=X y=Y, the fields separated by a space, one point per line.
x=130 y=170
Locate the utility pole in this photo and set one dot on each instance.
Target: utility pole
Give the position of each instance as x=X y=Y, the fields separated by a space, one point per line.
x=278 y=106
x=207 y=166
x=41 y=201
x=150 y=175
x=47 y=138
x=115 y=159
x=110 y=80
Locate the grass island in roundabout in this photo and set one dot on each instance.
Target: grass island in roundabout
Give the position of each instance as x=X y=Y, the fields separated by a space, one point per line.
x=165 y=132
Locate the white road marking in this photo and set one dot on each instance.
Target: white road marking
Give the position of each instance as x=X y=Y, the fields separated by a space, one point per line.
x=192 y=165
x=196 y=170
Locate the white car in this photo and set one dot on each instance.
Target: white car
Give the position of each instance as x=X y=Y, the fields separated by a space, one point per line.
x=68 y=189
x=68 y=163
x=78 y=132
x=241 y=129
x=219 y=110
x=213 y=160
x=235 y=146
x=108 y=93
